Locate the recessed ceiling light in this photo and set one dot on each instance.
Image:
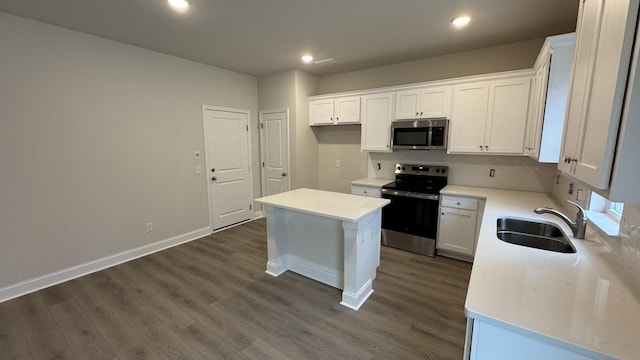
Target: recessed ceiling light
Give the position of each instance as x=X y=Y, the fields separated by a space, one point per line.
x=461 y=21
x=307 y=59
x=179 y=4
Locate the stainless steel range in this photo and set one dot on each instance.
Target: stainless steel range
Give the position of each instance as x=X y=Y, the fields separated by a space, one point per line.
x=410 y=221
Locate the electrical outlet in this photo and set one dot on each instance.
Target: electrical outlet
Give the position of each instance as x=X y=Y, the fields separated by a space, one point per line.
x=337 y=163
x=198 y=169
x=149 y=227
x=492 y=172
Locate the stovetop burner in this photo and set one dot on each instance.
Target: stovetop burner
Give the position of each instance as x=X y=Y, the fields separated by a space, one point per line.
x=426 y=179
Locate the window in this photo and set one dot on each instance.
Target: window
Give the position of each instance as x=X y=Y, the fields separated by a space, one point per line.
x=614 y=208
x=605 y=214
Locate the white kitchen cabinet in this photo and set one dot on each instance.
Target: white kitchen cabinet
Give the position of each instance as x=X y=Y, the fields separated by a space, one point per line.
x=490 y=117
x=334 y=111
x=457 y=226
x=377 y=115
x=548 y=99
x=492 y=342
x=597 y=125
x=371 y=191
x=427 y=102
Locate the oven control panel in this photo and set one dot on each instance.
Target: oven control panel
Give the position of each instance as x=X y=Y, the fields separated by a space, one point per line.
x=425 y=170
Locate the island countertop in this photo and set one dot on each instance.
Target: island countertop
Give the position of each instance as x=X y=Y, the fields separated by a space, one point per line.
x=339 y=206
x=584 y=302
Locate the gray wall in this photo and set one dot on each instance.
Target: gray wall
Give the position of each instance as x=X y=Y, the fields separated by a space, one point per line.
x=97 y=138
x=513 y=56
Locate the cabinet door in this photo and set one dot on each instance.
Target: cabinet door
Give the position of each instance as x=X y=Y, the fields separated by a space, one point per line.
x=468 y=118
x=435 y=102
x=457 y=230
x=605 y=35
x=377 y=114
x=608 y=83
x=321 y=112
x=407 y=104
x=536 y=113
x=347 y=110
x=507 y=116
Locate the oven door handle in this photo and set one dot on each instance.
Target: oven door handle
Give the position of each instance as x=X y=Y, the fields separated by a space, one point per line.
x=410 y=194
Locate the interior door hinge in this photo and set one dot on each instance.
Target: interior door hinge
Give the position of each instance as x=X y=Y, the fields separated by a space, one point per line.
x=247 y=127
x=263 y=164
x=250 y=207
x=261 y=125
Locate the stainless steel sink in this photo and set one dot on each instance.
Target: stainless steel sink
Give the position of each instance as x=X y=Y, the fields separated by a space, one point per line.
x=533 y=234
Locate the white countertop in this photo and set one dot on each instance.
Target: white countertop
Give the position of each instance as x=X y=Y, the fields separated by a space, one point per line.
x=344 y=207
x=585 y=302
x=371 y=182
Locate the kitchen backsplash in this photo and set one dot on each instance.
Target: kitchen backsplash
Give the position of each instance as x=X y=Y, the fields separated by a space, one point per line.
x=627 y=248
x=511 y=172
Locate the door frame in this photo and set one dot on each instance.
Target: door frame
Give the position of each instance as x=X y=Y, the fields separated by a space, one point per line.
x=263 y=179
x=208 y=164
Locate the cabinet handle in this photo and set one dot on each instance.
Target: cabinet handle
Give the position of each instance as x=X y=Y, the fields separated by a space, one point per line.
x=420 y=113
x=480 y=147
x=337 y=119
x=486 y=147
x=442 y=213
x=416 y=113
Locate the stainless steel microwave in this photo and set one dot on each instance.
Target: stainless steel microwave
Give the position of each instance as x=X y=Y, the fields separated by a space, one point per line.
x=421 y=134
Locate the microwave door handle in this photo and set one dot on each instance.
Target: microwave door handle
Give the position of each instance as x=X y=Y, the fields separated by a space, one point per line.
x=429 y=137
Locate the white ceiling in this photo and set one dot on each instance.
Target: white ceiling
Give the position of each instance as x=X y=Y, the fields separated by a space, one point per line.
x=263 y=36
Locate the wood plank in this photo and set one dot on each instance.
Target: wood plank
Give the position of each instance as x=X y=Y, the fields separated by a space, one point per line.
x=46 y=341
x=85 y=340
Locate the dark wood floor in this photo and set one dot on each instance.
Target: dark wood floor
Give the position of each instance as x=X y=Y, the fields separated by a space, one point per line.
x=211 y=299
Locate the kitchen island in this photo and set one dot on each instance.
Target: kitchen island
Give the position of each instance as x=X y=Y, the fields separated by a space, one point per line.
x=330 y=237
x=526 y=303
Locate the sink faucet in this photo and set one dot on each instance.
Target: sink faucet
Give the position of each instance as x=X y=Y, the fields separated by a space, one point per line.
x=578 y=227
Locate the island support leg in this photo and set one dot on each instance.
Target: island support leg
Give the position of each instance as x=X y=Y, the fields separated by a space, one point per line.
x=360 y=260
x=275 y=263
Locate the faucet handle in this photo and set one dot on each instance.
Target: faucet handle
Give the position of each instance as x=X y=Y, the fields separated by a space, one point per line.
x=581 y=215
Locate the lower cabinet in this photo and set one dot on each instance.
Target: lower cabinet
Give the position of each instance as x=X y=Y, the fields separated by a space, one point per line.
x=492 y=342
x=458 y=226
x=370 y=191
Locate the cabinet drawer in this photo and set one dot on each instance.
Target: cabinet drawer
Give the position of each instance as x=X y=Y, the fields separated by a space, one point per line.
x=366 y=191
x=459 y=202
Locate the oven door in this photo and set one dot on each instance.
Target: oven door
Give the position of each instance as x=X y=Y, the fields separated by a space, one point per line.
x=410 y=221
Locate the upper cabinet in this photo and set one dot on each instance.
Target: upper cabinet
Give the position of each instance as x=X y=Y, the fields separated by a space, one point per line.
x=490 y=116
x=334 y=111
x=377 y=115
x=601 y=131
x=427 y=102
x=548 y=99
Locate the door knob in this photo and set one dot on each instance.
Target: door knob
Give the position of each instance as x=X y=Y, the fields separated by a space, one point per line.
x=284 y=173
x=214 y=178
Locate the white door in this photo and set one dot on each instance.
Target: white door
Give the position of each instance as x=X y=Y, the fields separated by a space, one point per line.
x=226 y=134
x=274 y=137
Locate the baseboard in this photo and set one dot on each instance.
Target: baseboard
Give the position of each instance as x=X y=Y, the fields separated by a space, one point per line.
x=41 y=282
x=258 y=215
x=314 y=271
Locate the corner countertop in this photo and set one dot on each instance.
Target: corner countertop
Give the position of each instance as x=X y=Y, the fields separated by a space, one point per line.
x=371 y=182
x=584 y=302
x=339 y=206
